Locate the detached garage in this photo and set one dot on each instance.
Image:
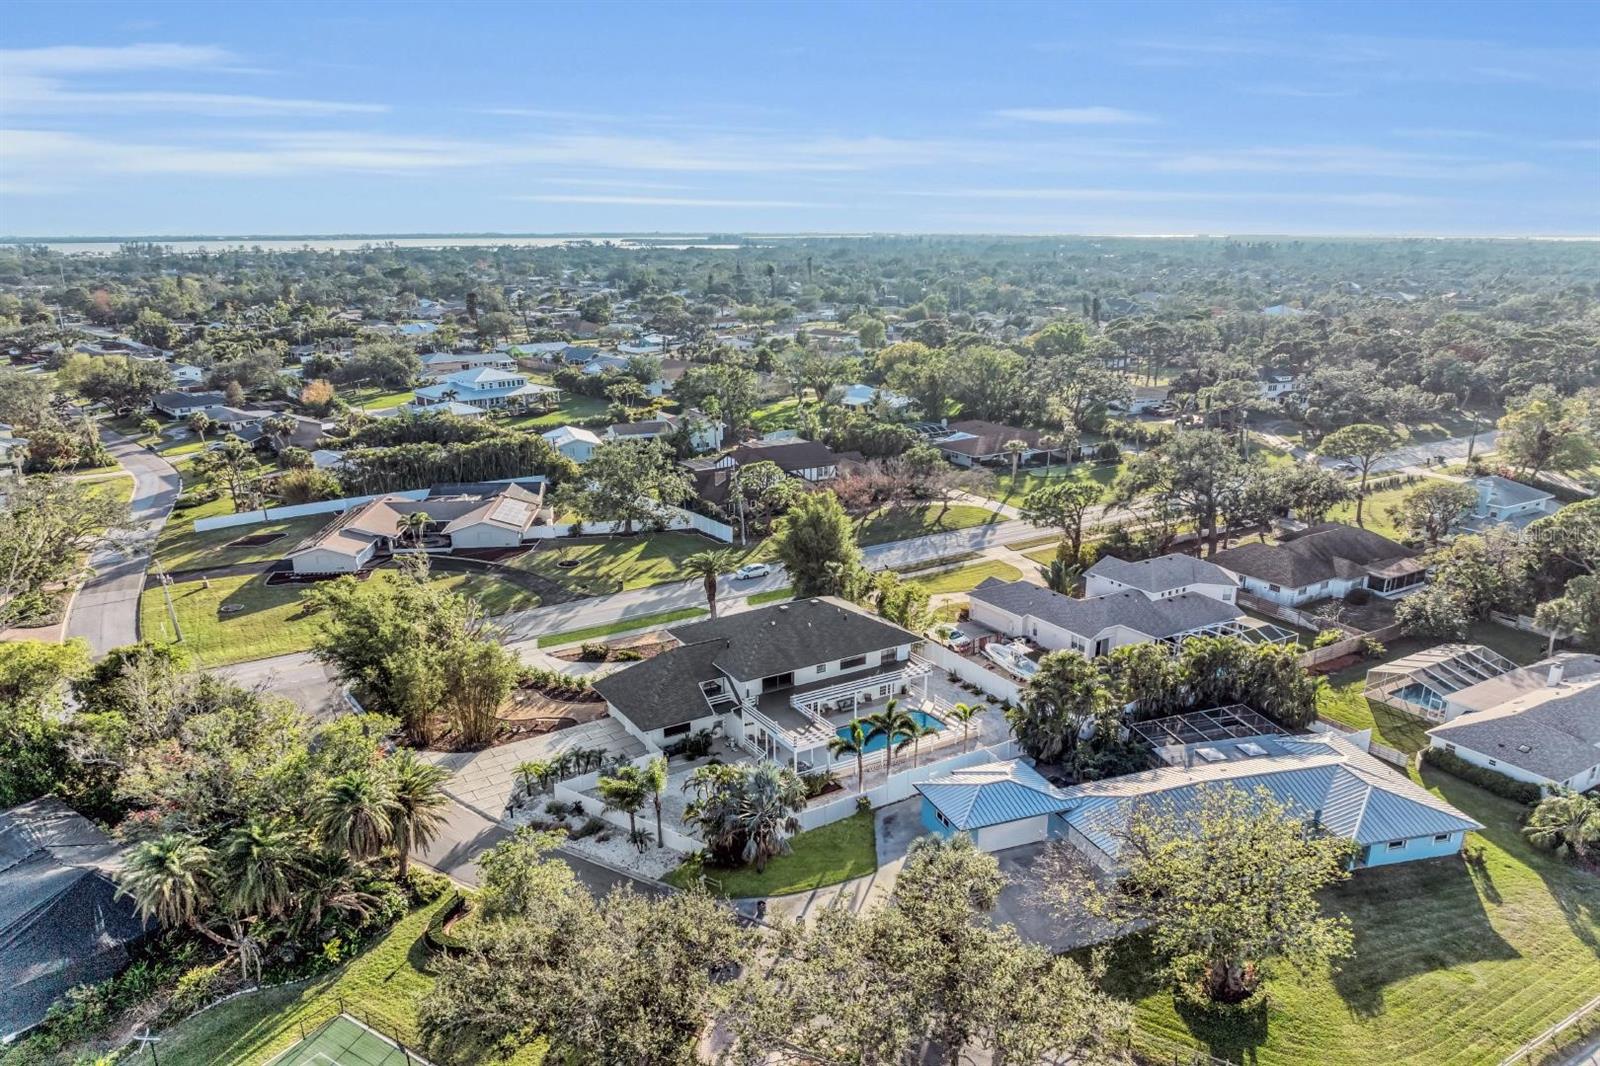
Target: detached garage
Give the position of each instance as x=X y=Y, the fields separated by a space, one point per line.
x=1000 y=805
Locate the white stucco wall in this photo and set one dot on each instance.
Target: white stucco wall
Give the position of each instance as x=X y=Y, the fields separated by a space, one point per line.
x=326 y=561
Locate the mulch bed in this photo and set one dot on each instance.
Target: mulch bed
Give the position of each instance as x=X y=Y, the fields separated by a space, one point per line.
x=647 y=645
x=1333 y=666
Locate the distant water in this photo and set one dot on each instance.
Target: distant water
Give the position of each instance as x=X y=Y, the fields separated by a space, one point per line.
x=351 y=244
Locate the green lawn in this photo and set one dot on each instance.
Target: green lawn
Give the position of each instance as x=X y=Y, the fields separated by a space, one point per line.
x=571 y=409
x=837 y=852
x=619 y=563
x=384 y=986
x=903 y=523
x=495 y=594
x=180 y=548
x=966 y=578
x=622 y=625
x=774 y=596
x=1453 y=966
x=777 y=415
x=116 y=487
x=1044 y=556
x=1013 y=491
x=1343 y=702
x=270 y=623
x=1375 y=514
x=376 y=398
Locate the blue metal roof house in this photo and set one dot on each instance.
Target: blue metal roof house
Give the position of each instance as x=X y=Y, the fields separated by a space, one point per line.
x=1000 y=805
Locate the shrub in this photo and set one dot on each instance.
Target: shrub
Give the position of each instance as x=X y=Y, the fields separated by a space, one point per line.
x=425 y=886
x=1373 y=649
x=863 y=804
x=628 y=655
x=590 y=827
x=816 y=782
x=594 y=651
x=694 y=746
x=197 y=986
x=440 y=939
x=1488 y=780
x=1326 y=637
x=1358 y=596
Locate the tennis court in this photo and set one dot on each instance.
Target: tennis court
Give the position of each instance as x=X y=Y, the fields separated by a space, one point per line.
x=346 y=1042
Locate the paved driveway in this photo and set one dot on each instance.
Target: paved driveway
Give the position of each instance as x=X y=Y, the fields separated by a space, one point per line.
x=105 y=611
x=309 y=684
x=484 y=780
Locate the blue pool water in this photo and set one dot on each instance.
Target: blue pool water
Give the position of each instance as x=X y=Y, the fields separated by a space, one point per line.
x=878 y=743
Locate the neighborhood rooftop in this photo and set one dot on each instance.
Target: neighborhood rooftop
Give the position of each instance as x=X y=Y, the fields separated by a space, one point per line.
x=1087 y=617
x=1161 y=573
x=784 y=636
x=1548 y=724
x=1321 y=553
x=992 y=794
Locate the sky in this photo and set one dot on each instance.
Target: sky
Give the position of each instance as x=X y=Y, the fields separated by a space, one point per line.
x=321 y=118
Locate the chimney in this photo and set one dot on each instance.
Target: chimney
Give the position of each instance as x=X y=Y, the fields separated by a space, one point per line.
x=1556 y=671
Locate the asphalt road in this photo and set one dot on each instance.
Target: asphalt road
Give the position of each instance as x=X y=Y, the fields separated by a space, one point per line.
x=106 y=610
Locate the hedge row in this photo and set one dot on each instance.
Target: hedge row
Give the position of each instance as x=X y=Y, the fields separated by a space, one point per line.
x=1489 y=780
x=440 y=939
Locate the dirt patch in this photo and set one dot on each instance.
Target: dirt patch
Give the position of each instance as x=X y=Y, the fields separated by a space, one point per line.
x=255 y=540
x=526 y=704
x=1333 y=666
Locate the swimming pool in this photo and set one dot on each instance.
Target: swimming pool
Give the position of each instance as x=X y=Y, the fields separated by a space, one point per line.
x=878 y=743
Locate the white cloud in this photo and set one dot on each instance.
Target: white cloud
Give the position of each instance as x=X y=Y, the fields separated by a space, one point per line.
x=76 y=59
x=1187 y=196
x=1337 y=160
x=1075 y=116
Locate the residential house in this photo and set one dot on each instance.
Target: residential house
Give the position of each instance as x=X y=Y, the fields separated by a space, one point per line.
x=969 y=443
x=860 y=396
x=577 y=355
x=440 y=364
x=1502 y=501
x=184 y=374
x=64 y=921
x=999 y=805
x=1160 y=578
x=446 y=407
x=1275 y=384
x=779 y=682
x=808 y=460
x=184 y=404
x=233 y=419
x=1323 y=561
x=1327 y=780
x=574 y=442
x=1539 y=724
x=1144 y=399
x=460 y=518
x=1098 y=625
x=705 y=433
x=488 y=388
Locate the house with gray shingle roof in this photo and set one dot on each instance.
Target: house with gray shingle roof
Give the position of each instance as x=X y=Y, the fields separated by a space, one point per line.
x=1160 y=578
x=1324 y=561
x=1539 y=724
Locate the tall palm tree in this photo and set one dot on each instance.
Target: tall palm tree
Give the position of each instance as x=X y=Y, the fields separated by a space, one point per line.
x=260 y=863
x=419 y=804
x=895 y=727
x=1015 y=448
x=355 y=813
x=706 y=566
x=655 y=778
x=626 y=790
x=964 y=713
x=1565 y=818
x=918 y=731
x=853 y=743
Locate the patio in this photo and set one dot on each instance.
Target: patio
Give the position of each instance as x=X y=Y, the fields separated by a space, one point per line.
x=485 y=780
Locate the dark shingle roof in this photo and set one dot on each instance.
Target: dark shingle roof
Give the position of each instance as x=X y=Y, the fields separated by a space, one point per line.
x=790 y=455
x=1560 y=727
x=785 y=636
x=1321 y=553
x=987 y=438
x=664 y=690
x=1161 y=573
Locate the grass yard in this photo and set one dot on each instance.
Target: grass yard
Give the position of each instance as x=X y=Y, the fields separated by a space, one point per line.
x=376 y=398
x=827 y=856
x=1452 y=965
x=619 y=563
x=384 y=985
x=115 y=487
x=269 y=622
x=777 y=415
x=1044 y=556
x=773 y=596
x=1375 y=514
x=571 y=409
x=888 y=524
x=496 y=595
x=966 y=578
x=1009 y=490
x=1343 y=702
x=180 y=548
x=622 y=625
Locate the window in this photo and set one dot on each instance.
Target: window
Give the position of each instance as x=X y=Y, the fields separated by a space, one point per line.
x=1273 y=588
x=676 y=730
x=1396 y=845
x=1493 y=763
x=852 y=662
x=1441 y=838
x=1451 y=748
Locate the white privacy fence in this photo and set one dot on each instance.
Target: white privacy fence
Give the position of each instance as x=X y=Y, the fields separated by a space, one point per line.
x=902 y=785
x=995 y=684
x=299 y=510
x=677 y=519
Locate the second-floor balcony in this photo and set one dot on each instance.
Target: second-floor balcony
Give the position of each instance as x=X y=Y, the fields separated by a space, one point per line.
x=799 y=722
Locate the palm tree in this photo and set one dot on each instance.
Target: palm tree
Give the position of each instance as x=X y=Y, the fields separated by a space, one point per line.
x=419 y=804
x=355 y=813
x=534 y=772
x=918 y=731
x=707 y=565
x=1015 y=448
x=625 y=791
x=261 y=866
x=414 y=525
x=853 y=743
x=200 y=424
x=769 y=812
x=168 y=879
x=655 y=777
x=1049 y=442
x=895 y=726
x=1565 y=818
x=964 y=713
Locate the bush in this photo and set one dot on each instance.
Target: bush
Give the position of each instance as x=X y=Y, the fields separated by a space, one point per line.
x=425 y=886
x=694 y=746
x=628 y=655
x=594 y=651
x=1358 y=596
x=1328 y=636
x=1488 y=780
x=594 y=824
x=863 y=804
x=1373 y=649
x=197 y=987
x=816 y=782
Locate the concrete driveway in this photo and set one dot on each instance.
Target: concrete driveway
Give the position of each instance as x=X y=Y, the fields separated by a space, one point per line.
x=105 y=612
x=306 y=682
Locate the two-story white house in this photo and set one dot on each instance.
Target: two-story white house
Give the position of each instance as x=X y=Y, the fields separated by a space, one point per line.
x=1160 y=578
x=486 y=387
x=441 y=364
x=779 y=682
x=1325 y=561
x=705 y=432
x=1274 y=384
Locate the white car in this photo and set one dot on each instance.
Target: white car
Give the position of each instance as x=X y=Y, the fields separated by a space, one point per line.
x=752 y=570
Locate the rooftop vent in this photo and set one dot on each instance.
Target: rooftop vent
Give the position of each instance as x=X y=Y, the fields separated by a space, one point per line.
x=1557 y=671
x=1210 y=754
x=1524 y=748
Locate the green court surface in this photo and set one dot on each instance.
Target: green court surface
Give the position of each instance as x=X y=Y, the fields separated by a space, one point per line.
x=346 y=1042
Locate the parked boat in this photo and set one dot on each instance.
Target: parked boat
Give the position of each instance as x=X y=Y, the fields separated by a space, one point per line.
x=1012 y=658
